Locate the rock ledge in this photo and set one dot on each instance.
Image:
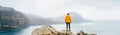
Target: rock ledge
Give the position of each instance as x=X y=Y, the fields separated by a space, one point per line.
x=49 y=30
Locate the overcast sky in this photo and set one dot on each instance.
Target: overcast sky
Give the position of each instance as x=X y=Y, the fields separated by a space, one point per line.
x=90 y=9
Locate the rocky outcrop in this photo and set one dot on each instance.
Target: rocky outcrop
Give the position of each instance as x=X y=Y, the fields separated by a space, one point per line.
x=48 y=30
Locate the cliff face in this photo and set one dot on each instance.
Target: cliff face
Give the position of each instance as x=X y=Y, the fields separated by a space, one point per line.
x=11 y=19
x=48 y=30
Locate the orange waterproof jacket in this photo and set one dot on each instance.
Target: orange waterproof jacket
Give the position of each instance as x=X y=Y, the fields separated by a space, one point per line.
x=68 y=18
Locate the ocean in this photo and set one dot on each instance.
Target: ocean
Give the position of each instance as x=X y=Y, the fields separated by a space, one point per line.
x=98 y=27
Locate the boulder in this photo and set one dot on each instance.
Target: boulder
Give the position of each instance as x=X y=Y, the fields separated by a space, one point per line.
x=49 y=30
x=45 y=30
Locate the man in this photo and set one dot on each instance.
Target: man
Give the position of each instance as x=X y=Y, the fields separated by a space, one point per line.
x=68 y=21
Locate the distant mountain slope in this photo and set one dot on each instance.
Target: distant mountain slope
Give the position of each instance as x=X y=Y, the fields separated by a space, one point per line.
x=12 y=19
x=38 y=20
x=76 y=18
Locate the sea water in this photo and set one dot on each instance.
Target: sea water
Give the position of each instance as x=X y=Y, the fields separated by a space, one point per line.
x=98 y=27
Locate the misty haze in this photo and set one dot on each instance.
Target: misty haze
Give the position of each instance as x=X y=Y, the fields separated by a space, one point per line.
x=24 y=17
